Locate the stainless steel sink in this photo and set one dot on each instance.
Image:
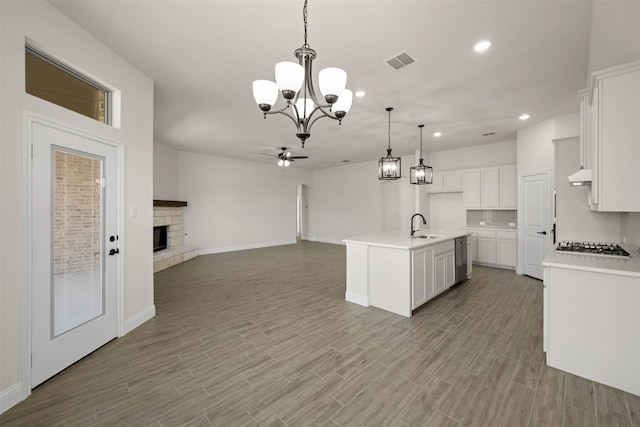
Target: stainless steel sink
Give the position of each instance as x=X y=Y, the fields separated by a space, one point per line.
x=426 y=236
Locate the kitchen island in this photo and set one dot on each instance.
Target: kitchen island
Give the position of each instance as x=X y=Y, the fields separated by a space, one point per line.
x=398 y=273
x=591 y=316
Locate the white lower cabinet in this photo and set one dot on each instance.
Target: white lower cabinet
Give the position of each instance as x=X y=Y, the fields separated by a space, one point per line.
x=486 y=247
x=422 y=276
x=494 y=247
x=433 y=270
x=506 y=252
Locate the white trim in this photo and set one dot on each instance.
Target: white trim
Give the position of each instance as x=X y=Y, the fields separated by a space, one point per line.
x=24 y=329
x=357 y=298
x=137 y=320
x=244 y=247
x=10 y=397
x=333 y=242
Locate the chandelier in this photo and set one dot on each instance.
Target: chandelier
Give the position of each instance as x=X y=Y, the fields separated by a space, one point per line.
x=295 y=82
x=389 y=166
x=421 y=174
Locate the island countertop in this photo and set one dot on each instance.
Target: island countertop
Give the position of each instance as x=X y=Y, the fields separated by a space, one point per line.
x=402 y=240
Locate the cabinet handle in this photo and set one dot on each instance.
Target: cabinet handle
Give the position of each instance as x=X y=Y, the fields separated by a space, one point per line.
x=542 y=232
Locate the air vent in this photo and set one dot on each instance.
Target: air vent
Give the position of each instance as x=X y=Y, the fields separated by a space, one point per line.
x=400 y=60
x=488 y=134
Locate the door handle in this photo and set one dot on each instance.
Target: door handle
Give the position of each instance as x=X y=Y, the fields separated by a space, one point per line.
x=542 y=232
x=114 y=251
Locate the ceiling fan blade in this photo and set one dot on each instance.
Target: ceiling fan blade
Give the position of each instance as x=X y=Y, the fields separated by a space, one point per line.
x=298 y=157
x=270 y=155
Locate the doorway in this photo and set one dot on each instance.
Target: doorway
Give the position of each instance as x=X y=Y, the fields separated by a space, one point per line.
x=75 y=246
x=535 y=220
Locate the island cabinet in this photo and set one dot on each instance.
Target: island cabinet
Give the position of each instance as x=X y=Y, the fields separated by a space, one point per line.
x=615 y=138
x=432 y=271
x=398 y=273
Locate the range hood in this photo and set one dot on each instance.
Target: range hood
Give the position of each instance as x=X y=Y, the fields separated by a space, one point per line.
x=582 y=177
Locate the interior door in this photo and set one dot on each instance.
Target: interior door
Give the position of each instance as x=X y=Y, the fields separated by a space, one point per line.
x=535 y=222
x=74 y=279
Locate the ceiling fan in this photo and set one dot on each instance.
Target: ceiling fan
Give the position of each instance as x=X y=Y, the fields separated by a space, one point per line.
x=285 y=158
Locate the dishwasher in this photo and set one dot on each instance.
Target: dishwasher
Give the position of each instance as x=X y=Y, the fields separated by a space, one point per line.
x=461 y=259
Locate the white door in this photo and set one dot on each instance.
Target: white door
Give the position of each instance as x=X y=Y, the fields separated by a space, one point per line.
x=74 y=267
x=535 y=222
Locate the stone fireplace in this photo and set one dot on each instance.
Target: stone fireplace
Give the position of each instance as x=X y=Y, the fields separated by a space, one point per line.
x=167 y=213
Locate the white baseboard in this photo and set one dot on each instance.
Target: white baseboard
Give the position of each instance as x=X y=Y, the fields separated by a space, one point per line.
x=244 y=247
x=357 y=298
x=139 y=319
x=333 y=242
x=10 y=397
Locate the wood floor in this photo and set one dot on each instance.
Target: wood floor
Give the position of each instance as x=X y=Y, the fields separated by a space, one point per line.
x=264 y=337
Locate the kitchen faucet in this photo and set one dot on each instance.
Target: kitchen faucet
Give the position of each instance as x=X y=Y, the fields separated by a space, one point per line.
x=424 y=221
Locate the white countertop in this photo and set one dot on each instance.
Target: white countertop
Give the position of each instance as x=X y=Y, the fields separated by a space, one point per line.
x=599 y=264
x=401 y=239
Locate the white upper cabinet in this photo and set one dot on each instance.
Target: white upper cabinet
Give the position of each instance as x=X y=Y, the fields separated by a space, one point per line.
x=471 y=188
x=616 y=139
x=452 y=181
x=490 y=188
x=446 y=182
x=508 y=187
x=490 y=180
x=585 y=129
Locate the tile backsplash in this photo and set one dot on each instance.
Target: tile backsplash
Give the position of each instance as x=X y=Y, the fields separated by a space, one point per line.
x=492 y=218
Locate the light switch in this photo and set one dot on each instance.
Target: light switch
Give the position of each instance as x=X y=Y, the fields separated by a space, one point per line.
x=134 y=211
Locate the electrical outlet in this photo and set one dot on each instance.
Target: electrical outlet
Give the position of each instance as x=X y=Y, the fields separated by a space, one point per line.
x=134 y=211
x=483 y=222
x=512 y=224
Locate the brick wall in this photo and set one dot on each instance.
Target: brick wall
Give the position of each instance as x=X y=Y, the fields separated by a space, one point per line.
x=77 y=194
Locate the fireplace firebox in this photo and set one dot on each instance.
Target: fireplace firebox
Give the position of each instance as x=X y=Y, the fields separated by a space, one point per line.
x=160 y=238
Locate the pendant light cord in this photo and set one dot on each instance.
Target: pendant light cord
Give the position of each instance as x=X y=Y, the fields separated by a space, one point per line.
x=421 y=126
x=389 y=109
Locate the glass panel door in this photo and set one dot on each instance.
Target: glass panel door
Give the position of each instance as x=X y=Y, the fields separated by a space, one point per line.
x=78 y=283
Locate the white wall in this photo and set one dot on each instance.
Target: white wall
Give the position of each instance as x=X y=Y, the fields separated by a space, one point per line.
x=575 y=221
x=235 y=204
x=60 y=37
x=486 y=155
x=165 y=172
x=630 y=227
x=350 y=200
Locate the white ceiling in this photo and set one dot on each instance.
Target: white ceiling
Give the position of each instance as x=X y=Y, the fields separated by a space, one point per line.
x=204 y=55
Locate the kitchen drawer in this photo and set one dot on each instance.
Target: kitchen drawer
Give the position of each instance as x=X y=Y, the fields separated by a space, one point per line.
x=487 y=234
x=507 y=235
x=444 y=247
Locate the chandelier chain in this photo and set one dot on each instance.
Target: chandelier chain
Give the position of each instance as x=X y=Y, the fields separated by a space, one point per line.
x=304 y=17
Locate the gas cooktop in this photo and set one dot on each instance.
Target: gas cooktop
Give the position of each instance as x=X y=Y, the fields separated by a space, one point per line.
x=587 y=248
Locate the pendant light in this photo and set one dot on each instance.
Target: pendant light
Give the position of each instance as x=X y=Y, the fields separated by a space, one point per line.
x=389 y=166
x=421 y=174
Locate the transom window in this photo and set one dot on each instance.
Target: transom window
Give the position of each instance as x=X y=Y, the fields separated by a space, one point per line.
x=55 y=82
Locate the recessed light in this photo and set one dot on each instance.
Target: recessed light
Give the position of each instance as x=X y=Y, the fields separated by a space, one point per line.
x=482 y=46
x=524 y=117
x=360 y=93
x=437 y=134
